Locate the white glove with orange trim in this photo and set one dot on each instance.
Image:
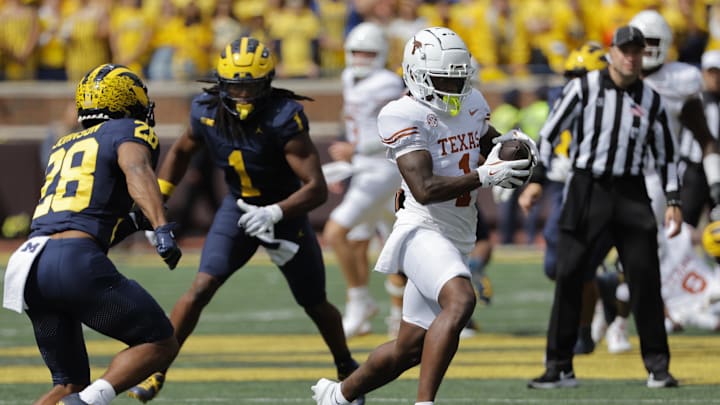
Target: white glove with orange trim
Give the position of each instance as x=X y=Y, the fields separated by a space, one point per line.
x=503 y=173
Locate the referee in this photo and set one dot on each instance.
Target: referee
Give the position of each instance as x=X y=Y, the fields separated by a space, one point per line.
x=616 y=122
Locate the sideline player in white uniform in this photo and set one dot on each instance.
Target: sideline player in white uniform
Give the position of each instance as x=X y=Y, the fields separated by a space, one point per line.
x=697 y=190
x=691 y=289
x=680 y=86
x=435 y=136
x=367 y=206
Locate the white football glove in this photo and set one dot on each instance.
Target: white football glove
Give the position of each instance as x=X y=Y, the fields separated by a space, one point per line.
x=502 y=194
x=503 y=173
x=257 y=220
x=151 y=238
x=524 y=138
x=559 y=168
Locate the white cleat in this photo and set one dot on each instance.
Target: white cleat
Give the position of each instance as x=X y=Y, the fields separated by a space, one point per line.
x=617 y=336
x=357 y=317
x=324 y=391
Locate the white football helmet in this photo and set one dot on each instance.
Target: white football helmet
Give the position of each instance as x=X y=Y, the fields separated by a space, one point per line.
x=366 y=37
x=437 y=69
x=658 y=37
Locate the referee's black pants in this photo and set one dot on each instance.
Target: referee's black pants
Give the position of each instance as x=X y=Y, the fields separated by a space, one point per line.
x=620 y=206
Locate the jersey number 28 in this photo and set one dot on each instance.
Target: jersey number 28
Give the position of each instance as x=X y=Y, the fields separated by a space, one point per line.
x=69 y=181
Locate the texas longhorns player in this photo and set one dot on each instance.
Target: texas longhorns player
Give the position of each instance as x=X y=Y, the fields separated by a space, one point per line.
x=435 y=135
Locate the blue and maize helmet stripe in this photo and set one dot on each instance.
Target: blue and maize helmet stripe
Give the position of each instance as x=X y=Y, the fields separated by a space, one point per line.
x=245 y=59
x=111 y=91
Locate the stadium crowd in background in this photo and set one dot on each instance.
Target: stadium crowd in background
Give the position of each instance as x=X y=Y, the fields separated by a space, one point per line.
x=176 y=39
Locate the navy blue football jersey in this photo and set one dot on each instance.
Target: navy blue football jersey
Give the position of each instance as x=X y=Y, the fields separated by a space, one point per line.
x=84 y=187
x=254 y=164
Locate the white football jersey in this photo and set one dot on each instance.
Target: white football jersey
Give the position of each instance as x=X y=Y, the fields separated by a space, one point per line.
x=689 y=147
x=363 y=100
x=689 y=283
x=676 y=82
x=407 y=125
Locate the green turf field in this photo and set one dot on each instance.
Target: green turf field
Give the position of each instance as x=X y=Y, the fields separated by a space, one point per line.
x=255 y=346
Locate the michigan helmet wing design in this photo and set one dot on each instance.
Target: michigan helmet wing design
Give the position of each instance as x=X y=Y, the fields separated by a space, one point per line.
x=111 y=92
x=588 y=57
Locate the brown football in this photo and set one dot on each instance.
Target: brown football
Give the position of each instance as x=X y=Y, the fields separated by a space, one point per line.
x=514 y=150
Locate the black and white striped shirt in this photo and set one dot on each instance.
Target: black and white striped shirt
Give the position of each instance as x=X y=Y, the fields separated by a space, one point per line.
x=613 y=129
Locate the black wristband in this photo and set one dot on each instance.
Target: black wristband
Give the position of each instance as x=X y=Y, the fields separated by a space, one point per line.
x=675 y=202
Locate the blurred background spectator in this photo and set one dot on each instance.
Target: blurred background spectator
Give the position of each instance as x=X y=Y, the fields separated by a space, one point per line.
x=177 y=39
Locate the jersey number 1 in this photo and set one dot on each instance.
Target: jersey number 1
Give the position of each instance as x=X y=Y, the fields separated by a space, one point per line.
x=235 y=159
x=463 y=200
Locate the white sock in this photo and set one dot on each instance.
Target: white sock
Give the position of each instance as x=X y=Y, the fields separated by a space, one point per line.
x=425 y=403
x=98 y=393
x=338 y=396
x=358 y=293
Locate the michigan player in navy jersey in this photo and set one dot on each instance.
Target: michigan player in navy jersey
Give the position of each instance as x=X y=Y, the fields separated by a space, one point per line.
x=258 y=135
x=62 y=276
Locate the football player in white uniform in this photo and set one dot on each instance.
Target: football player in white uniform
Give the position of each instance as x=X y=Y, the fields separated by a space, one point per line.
x=435 y=135
x=368 y=202
x=691 y=287
x=680 y=85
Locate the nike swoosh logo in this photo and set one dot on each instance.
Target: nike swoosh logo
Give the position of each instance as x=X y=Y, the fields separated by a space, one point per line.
x=472 y=112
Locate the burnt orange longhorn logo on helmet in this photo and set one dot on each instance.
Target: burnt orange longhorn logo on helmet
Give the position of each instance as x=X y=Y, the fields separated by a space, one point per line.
x=416 y=45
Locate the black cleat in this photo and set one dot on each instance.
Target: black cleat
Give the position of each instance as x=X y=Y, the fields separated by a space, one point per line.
x=661 y=379
x=554 y=379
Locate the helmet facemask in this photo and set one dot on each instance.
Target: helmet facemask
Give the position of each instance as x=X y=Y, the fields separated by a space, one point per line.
x=363 y=63
x=442 y=90
x=658 y=37
x=239 y=98
x=366 y=49
x=655 y=52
